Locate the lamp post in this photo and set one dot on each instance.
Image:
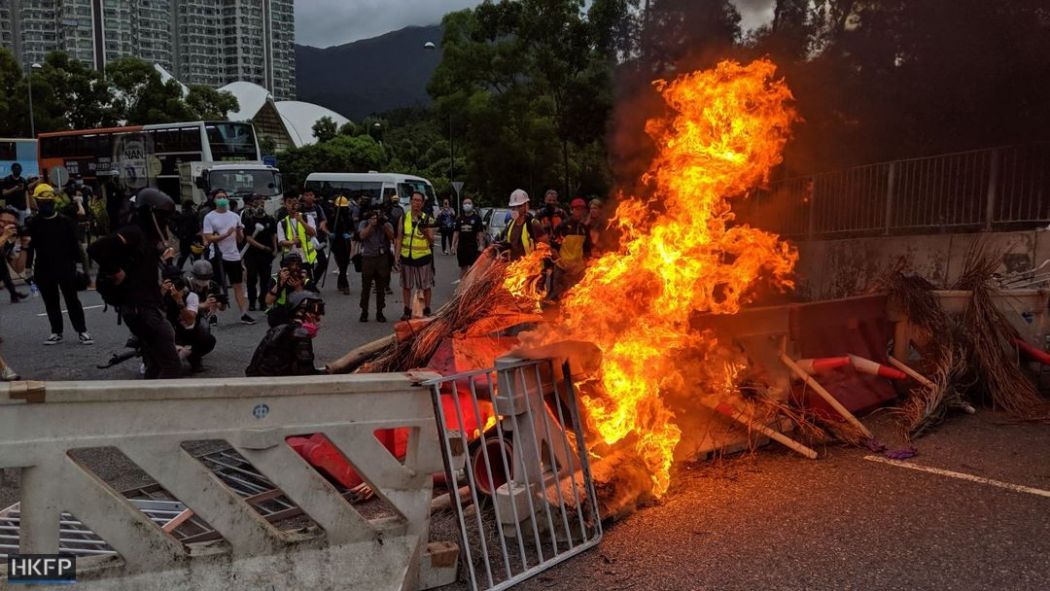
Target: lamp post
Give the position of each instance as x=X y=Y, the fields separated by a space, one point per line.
x=29 y=87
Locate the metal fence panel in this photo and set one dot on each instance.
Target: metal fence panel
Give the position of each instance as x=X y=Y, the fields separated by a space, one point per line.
x=525 y=500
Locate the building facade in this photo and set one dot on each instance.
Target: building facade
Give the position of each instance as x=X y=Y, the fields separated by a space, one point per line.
x=210 y=42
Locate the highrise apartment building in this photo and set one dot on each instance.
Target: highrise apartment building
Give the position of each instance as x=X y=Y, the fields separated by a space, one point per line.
x=211 y=42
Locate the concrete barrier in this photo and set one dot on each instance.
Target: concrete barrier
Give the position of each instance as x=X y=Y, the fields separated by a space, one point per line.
x=41 y=423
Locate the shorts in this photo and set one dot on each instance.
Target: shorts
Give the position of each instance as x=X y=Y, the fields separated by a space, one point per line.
x=234 y=271
x=421 y=277
x=466 y=257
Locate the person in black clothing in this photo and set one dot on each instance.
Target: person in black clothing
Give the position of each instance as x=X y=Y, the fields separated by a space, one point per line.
x=293 y=277
x=13 y=241
x=129 y=278
x=287 y=349
x=186 y=311
x=468 y=238
x=260 y=235
x=552 y=214
x=14 y=191
x=53 y=237
x=343 y=231
x=187 y=229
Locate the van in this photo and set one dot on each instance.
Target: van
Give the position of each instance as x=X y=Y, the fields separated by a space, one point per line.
x=377 y=185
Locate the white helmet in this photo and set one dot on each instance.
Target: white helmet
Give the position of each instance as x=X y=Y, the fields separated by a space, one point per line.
x=518 y=197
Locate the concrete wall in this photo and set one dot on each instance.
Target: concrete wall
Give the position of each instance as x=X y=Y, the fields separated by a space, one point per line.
x=840 y=268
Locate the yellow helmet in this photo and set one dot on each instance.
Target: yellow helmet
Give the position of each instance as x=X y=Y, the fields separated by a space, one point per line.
x=197 y=248
x=342 y=201
x=44 y=191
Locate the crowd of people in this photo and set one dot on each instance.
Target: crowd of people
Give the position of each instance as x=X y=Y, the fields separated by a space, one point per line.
x=50 y=234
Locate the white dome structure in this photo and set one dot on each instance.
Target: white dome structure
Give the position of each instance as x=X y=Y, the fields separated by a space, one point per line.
x=287 y=123
x=300 y=118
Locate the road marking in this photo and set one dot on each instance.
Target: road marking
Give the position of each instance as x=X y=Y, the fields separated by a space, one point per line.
x=85 y=307
x=961 y=476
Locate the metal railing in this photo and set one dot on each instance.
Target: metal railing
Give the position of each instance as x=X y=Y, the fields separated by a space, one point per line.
x=1005 y=188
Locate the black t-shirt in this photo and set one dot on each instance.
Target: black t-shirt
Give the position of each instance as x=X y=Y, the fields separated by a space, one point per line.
x=55 y=242
x=469 y=226
x=265 y=234
x=138 y=257
x=517 y=248
x=16 y=199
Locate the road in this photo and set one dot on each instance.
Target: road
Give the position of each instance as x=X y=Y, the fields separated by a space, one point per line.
x=24 y=327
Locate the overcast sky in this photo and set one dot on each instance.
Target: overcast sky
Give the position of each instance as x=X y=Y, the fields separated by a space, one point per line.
x=333 y=22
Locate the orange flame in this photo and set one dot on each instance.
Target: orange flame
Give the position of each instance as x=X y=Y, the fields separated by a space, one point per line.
x=679 y=256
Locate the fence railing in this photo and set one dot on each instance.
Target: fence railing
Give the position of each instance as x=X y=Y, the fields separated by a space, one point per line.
x=1006 y=188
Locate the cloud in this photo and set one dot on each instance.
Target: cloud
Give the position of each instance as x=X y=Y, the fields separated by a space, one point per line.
x=321 y=23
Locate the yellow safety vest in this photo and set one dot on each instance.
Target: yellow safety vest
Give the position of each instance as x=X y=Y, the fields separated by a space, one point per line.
x=526 y=235
x=414 y=243
x=309 y=254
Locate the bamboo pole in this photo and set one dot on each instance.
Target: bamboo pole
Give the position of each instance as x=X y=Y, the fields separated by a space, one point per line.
x=918 y=377
x=352 y=360
x=750 y=423
x=835 y=404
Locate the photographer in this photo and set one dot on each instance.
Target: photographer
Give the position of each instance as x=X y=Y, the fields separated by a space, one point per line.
x=13 y=243
x=295 y=232
x=292 y=278
x=376 y=233
x=187 y=310
x=415 y=257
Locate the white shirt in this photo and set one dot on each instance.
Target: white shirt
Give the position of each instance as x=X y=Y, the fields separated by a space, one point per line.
x=220 y=223
x=192 y=304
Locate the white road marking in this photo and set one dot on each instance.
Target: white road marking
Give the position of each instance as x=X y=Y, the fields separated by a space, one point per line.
x=961 y=476
x=85 y=307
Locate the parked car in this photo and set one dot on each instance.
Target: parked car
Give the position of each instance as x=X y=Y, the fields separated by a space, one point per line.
x=496 y=221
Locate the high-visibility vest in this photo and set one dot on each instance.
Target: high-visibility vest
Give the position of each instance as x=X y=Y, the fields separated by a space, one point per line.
x=305 y=244
x=527 y=241
x=414 y=244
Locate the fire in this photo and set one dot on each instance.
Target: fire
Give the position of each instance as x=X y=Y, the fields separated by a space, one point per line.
x=679 y=255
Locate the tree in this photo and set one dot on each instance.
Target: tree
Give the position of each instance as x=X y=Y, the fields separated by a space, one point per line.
x=208 y=103
x=325 y=129
x=77 y=97
x=143 y=98
x=13 y=112
x=341 y=154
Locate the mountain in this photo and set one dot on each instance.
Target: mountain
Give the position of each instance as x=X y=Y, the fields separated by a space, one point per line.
x=370 y=75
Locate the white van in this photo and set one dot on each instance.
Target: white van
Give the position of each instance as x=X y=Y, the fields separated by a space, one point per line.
x=377 y=185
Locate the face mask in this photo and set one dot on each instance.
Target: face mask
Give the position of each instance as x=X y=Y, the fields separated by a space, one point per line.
x=46 y=208
x=220 y=202
x=311 y=329
x=514 y=214
x=468 y=207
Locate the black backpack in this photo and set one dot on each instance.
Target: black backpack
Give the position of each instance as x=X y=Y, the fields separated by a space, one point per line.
x=268 y=356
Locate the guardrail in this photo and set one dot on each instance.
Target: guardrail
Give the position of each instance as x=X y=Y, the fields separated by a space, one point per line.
x=1006 y=188
x=45 y=426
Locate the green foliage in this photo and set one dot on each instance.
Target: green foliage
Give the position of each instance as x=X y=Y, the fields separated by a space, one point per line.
x=143 y=98
x=13 y=110
x=341 y=154
x=325 y=129
x=211 y=104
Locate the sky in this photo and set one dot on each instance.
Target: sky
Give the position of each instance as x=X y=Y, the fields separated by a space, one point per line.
x=322 y=23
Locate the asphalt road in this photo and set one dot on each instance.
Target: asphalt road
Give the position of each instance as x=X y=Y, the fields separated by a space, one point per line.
x=24 y=327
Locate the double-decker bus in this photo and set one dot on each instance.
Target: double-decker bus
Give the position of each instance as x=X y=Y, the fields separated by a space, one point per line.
x=177 y=158
x=20 y=150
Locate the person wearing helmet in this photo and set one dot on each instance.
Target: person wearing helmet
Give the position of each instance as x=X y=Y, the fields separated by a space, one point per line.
x=187 y=312
x=53 y=238
x=524 y=231
x=129 y=279
x=293 y=277
x=343 y=232
x=260 y=234
x=287 y=349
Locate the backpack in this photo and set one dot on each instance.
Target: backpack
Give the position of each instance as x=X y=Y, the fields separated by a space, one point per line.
x=268 y=355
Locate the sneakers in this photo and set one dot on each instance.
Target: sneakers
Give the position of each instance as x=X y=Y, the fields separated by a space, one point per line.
x=364 y=316
x=54 y=339
x=251 y=307
x=246 y=319
x=407 y=315
x=380 y=317
x=8 y=375
x=85 y=339
x=18 y=296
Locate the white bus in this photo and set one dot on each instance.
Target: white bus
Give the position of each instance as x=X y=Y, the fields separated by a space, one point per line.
x=377 y=185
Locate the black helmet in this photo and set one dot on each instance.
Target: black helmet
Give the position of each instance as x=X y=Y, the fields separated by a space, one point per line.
x=202 y=270
x=306 y=300
x=291 y=257
x=150 y=200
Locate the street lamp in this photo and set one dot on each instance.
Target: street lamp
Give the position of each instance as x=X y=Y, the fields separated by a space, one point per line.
x=29 y=87
x=429 y=46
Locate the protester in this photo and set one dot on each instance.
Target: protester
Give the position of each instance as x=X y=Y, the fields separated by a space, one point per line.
x=524 y=231
x=415 y=257
x=182 y=306
x=291 y=278
x=342 y=239
x=395 y=215
x=53 y=237
x=187 y=229
x=316 y=217
x=129 y=263
x=572 y=241
x=376 y=234
x=599 y=228
x=13 y=243
x=15 y=192
x=223 y=229
x=287 y=349
x=260 y=234
x=469 y=238
x=552 y=215
x=446 y=220
x=295 y=232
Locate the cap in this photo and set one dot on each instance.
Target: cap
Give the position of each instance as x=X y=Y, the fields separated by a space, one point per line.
x=44 y=191
x=577 y=202
x=518 y=197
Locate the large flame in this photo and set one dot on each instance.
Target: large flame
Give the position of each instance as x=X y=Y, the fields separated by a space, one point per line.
x=679 y=255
